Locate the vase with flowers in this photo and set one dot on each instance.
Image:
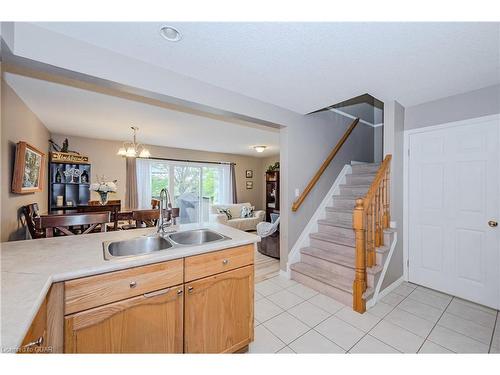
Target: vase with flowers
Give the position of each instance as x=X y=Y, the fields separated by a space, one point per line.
x=103 y=188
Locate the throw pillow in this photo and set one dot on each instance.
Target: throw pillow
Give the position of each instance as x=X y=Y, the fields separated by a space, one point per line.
x=226 y=211
x=247 y=212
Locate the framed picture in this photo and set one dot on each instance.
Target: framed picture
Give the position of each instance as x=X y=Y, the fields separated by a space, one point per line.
x=249 y=184
x=249 y=173
x=29 y=168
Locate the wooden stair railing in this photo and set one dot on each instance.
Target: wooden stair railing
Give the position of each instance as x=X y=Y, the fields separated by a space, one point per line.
x=371 y=216
x=298 y=202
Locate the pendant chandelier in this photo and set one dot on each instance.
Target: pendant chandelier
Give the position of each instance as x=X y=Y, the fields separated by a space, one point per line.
x=134 y=149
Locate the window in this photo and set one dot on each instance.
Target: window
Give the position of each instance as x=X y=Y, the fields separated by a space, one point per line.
x=193 y=187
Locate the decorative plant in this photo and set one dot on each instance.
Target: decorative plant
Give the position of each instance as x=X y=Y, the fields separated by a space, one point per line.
x=103 y=188
x=274 y=167
x=63 y=148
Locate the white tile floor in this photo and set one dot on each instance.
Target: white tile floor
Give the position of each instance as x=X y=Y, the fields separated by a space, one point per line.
x=292 y=318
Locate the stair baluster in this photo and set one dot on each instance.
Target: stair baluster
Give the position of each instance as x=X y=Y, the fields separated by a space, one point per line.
x=371 y=216
x=359 y=286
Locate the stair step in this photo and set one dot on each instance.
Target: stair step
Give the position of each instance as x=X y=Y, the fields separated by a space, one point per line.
x=328 y=242
x=341 y=259
x=331 y=236
x=318 y=240
x=336 y=228
x=346 y=260
x=324 y=276
x=365 y=168
x=341 y=215
x=360 y=178
x=355 y=190
x=345 y=201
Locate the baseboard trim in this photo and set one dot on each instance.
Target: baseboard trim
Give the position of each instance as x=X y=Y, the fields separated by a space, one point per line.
x=285 y=274
x=385 y=292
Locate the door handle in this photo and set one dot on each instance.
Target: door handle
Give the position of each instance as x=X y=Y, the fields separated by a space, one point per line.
x=156 y=293
x=493 y=223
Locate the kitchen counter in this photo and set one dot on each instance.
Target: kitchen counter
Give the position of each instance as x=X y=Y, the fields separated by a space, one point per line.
x=28 y=268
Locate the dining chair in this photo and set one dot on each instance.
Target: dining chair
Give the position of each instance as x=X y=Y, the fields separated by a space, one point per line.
x=62 y=223
x=148 y=218
x=155 y=204
x=113 y=206
x=28 y=215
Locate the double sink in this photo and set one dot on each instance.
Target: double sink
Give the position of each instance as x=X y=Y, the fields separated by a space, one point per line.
x=150 y=244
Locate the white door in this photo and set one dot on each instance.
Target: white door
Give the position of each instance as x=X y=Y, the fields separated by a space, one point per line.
x=454 y=192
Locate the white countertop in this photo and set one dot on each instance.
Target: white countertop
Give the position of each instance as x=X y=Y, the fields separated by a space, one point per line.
x=28 y=268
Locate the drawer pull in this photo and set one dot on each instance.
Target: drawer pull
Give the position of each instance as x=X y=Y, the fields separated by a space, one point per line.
x=179 y=292
x=37 y=342
x=225 y=261
x=156 y=293
x=132 y=284
x=190 y=289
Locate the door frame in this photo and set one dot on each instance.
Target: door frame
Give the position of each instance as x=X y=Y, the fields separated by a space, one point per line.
x=406 y=176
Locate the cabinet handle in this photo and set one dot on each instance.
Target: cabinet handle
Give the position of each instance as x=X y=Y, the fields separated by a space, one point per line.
x=179 y=292
x=132 y=284
x=37 y=342
x=225 y=261
x=156 y=293
x=190 y=289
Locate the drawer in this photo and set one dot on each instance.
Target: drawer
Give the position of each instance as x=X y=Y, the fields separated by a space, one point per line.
x=87 y=292
x=199 y=266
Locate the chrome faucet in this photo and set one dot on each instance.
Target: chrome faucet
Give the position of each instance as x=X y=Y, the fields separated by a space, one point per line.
x=165 y=219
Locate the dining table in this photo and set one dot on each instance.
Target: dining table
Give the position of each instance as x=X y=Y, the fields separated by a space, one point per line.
x=117 y=213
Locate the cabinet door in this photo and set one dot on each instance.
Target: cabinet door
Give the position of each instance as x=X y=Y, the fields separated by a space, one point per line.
x=219 y=312
x=150 y=323
x=36 y=337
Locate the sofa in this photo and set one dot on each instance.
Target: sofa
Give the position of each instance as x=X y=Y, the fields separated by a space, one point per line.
x=236 y=221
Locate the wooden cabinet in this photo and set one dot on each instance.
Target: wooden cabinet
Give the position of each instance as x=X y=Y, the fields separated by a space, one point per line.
x=199 y=266
x=92 y=291
x=198 y=304
x=150 y=323
x=36 y=337
x=45 y=334
x=219 y=312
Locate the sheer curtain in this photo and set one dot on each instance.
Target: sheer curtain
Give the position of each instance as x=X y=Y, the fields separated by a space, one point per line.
x=227 y=191
x=131 y=183
x=144 y=183
x=232 y=184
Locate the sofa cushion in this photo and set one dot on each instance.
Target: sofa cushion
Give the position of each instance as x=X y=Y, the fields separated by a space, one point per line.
x=226 y=211
x=247 y=212
x=235 y=208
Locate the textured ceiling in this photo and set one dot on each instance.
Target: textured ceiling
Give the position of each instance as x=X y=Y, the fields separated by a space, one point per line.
x=307 y=66
x=73 y=111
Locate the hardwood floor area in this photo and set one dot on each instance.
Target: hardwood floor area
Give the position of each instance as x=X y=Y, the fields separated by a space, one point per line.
x=265 y=267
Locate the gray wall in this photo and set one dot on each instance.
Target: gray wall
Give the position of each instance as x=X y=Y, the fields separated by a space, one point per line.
x=303 y=150
x=472 y=104
x=378 y=144
x=394 y=115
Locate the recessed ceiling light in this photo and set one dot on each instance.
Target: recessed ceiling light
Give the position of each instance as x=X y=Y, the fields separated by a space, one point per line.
x=170 y=33
x=259 y=148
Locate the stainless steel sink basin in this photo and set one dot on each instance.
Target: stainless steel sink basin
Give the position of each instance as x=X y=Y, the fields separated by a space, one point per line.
x=135 y=246
x=196 y=237
x=150 y=244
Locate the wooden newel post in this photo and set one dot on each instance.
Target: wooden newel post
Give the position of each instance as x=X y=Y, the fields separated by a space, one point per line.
x=359 y=285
